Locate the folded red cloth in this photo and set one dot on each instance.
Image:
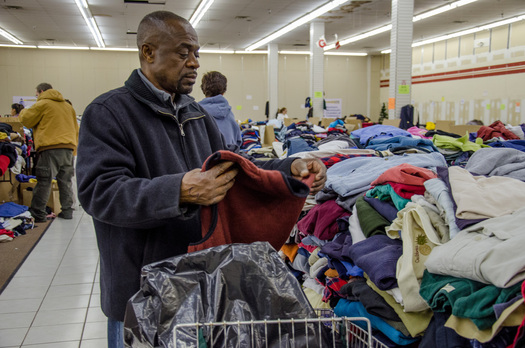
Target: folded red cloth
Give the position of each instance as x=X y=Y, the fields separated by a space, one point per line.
x=405 y=174
x=262 y=205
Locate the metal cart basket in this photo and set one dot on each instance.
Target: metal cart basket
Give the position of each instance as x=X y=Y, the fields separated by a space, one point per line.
x=355 y=332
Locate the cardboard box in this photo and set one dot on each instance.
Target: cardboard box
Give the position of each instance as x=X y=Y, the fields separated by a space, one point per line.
x=463 y=129
x=314 y=120
x=24 y=185
x=325 y=122
x=53 y=202
x=445 y=125
x=352 y=120
x=26 y=197
x=289 y=121
x=392 y=122
x=8 y=188
x=18 y=127
x=269 y=135
x=350 y=127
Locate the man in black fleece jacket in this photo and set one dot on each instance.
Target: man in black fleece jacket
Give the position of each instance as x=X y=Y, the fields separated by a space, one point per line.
x=140 y=151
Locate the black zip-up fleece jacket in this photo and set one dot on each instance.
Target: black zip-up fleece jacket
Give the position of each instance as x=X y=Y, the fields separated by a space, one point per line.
x=133 y=152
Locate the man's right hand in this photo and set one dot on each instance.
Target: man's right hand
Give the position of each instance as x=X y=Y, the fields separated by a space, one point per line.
x=209 y=187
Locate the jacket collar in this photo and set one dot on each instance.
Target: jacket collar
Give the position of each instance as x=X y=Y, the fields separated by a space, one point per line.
x=142 y=93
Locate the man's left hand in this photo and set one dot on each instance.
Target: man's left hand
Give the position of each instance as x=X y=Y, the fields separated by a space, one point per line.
x=302 y=167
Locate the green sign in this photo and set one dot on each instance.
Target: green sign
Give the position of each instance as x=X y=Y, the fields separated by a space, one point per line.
x=403 y=89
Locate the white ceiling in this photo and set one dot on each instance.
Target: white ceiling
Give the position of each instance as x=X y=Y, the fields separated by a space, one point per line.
x=235 y=24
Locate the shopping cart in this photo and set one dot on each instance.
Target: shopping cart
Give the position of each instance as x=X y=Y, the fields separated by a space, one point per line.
x=324 y=331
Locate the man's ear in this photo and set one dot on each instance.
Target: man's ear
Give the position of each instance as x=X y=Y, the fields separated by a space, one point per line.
x=147 y=52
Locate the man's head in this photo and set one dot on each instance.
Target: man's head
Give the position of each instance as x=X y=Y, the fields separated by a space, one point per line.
x=44 y=86
x=213 y=83
x=168 y=50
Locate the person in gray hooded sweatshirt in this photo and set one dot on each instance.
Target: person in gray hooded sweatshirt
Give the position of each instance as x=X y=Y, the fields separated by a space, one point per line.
x=213 y=86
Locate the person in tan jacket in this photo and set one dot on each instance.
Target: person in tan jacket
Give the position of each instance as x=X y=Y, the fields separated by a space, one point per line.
x=55 y=133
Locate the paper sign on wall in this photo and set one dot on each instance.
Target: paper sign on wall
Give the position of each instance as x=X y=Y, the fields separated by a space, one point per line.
x=318 y=94
x=403 y=89
x=239 y=107
x=256 y=107
x=333 y=108
x=391 y=103
x=26 y=101
x=488 y=106
x=502 y=106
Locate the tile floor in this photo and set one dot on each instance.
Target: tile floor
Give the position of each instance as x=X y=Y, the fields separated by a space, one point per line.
x=54 y=299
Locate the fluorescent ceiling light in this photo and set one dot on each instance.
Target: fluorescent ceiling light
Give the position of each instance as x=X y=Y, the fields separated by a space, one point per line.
x=303 y=20
x=18 y=46
x=90 y=21
x=442 y=9
x=360 y=36
x=326 y=53
x=464 y=32
x=251 y=52
x=357 y=54
x=469 y=31
x=122 y=49
x=10 y=37
x=217 y=51
x=389 y=27
x=294 y=52
x=64 y=47
x=199 y=12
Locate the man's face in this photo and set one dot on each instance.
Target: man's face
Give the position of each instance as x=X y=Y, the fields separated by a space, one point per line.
x=175 y=60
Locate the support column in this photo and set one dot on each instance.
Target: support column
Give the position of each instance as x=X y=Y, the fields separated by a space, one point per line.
x=273 y=79
x=401 y=55
x=316 y=68
x=369 y=84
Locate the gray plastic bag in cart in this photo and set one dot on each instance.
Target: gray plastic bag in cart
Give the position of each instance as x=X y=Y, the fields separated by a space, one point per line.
x=237 y=282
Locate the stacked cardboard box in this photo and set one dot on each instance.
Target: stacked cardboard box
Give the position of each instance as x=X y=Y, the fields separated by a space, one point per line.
x=8 y=188
x=26 y=195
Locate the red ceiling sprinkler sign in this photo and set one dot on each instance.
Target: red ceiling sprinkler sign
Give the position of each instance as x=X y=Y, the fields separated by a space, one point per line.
x=321 y=42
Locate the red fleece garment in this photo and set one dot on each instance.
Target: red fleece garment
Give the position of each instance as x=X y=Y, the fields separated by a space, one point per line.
x=407 y=191
x=321 y=220
x=4 y=163
x=405 y=174
x=262 y=205
x=496 y=129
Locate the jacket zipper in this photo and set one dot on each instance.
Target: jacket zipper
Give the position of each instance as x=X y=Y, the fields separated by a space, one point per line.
x=181 y=130
x=189 y=119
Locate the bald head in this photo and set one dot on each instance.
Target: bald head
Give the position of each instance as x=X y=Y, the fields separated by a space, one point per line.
x=154 y=26
x=168 y=51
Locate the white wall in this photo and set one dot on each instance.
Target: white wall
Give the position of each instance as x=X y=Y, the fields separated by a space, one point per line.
x=487 y=98
x=83 y=75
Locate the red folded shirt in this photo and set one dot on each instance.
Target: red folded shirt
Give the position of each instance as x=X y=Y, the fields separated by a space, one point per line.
x=405 y=174
x=262 y=205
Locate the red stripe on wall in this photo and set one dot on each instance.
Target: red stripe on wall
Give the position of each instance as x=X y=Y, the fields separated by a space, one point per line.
x=504 y=69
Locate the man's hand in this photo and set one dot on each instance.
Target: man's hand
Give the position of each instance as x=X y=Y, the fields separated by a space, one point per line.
x=302 y=167
x=209 y=187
